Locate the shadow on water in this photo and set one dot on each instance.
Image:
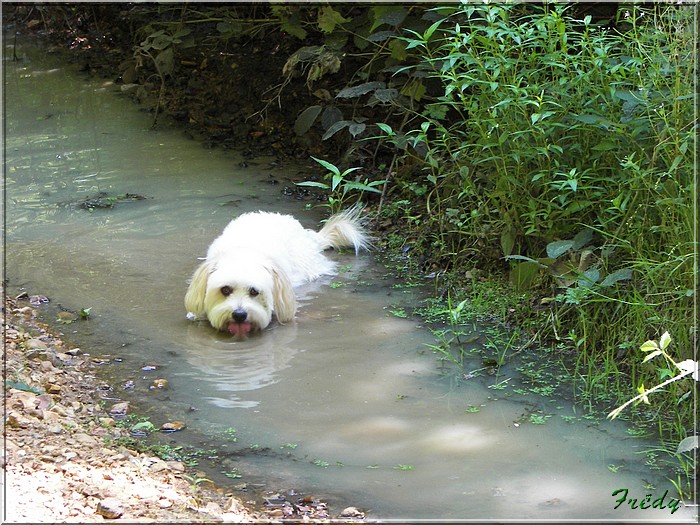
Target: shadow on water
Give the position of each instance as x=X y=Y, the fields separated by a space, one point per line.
x=346 y=402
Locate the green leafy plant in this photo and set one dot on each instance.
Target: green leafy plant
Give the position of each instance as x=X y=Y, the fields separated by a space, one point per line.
x=680 y=370
x=673 y=372
x=341 y=189
x=142 y=429
x=550 y=143
x=158 y=49
x=233 y=474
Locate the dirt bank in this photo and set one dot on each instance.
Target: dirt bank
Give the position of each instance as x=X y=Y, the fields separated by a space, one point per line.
x=59 y=464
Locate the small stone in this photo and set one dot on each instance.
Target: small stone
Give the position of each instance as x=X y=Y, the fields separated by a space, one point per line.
x=25 y=400
x=119 y=409
x=28 y=312
x=15 y=420
x=172 y=426
x=106 y=421
x=44 y=401
x=176 y=466
x=85 y=439
x=54 y=428
x=36 y=344
x=66 y=317
x=213 y=510
x=61 y=411
x=53 y=389
x=352 y=512
x=158 y=466
x=160 y=383
x=110 y=508
x=37 y=300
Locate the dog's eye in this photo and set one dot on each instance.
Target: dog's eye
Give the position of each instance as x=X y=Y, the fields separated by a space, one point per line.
x=253 y=292
x=226 y=291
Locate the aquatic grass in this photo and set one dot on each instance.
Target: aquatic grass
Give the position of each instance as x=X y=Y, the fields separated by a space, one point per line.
x=539 y=419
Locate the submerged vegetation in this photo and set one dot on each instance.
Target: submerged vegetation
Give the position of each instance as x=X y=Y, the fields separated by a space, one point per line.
x=536 y=161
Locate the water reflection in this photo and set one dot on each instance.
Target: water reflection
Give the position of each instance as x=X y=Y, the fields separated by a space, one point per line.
x=236 y=367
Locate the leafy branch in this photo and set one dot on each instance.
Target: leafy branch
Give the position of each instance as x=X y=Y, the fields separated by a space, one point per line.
x=655 y=349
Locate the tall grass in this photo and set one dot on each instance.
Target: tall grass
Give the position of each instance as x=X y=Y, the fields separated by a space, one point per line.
x=546 y=128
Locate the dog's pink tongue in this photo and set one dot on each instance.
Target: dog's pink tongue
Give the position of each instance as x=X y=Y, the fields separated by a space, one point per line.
x=239 y=329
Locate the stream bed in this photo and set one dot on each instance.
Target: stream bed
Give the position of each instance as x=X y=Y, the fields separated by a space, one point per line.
x=347 y=402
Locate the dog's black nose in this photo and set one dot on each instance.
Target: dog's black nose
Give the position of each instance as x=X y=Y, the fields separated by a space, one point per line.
x=239 y=315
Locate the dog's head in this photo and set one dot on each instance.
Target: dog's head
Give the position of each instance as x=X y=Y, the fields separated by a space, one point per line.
x=239 y=295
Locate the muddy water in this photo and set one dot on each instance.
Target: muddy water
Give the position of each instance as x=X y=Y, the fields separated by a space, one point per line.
x=346 y=403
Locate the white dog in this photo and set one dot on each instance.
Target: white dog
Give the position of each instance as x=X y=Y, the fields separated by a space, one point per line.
x=251 y=269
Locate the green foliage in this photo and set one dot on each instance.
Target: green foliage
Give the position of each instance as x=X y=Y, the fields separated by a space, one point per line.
x=678 y=371
x=544 y=127
x=157 y=49
x=673 y=372
x=549 y=123
x=20 y=385
x=341 y=189
x=560 y=152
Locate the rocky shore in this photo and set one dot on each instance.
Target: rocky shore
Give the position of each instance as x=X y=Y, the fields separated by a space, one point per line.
x=60 y=461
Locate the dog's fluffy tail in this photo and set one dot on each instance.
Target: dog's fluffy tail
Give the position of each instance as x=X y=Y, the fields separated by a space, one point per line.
x=345 y=229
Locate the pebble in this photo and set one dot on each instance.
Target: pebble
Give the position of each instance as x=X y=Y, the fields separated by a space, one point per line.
x=110 y=508
x=172 y=426
x=352 y=512
x=55 y=435
x=27 y=400
x=35 y=344
x=27 y=311
x=15 y=420
x=85 y=439
x=54 y=428
x=176 y=466
x=37 y=300
x=44 y=401
x=158 y=466
x=119 y=409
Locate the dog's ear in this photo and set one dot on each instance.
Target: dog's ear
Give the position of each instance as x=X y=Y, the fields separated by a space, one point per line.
x=194 y=298
x=283 y=294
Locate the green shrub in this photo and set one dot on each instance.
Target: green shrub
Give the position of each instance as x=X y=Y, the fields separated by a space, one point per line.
x=545 y=127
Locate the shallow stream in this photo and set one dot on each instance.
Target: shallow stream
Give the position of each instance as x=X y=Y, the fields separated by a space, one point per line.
x=346 y=403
